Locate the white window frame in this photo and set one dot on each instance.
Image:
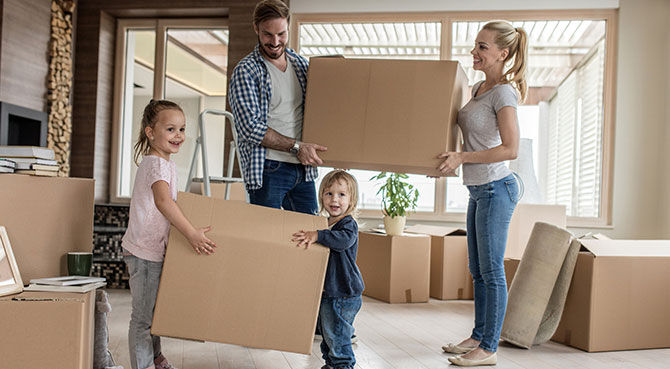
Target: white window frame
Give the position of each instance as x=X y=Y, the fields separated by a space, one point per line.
x=160 y=26
x=610 y=16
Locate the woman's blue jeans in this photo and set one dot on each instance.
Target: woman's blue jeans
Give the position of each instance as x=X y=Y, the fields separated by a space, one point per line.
x=489 y=212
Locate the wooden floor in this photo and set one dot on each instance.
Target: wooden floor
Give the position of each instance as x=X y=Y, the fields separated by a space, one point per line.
x=403 y=336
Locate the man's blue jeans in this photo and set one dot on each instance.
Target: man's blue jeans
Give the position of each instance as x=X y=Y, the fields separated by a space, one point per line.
x=284 y=186
x=336 y=319
x=489 y=212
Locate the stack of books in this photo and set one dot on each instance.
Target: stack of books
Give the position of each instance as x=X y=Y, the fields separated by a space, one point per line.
x=66 y=284
x=7 y=166
x=32 y=160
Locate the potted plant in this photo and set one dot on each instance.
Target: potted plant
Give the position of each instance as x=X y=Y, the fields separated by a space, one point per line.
x=398 y=198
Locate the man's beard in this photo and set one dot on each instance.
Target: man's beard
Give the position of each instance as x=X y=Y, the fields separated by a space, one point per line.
x=265 y=47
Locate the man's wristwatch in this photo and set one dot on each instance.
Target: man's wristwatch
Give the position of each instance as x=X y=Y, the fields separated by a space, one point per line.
x=295 y=148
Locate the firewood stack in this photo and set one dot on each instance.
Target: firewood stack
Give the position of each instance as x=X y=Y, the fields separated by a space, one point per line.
x=60 y=83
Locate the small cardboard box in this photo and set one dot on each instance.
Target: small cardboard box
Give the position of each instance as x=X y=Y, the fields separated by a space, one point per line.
x=218 y=190
x=257 y=290
x=46 y=217
x=619 y=297
x=522 y=223
x=395 y=269
x=47 y=330
x=511 y=265
x=386 y=115
x=450 y=277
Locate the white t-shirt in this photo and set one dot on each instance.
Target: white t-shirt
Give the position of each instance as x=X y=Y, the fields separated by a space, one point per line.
x=286 y=108
x=147 y=233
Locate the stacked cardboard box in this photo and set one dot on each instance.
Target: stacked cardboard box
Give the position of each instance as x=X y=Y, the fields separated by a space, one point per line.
x=46 y=218
x=47 y=330
x=450 y=277
x=395 y=269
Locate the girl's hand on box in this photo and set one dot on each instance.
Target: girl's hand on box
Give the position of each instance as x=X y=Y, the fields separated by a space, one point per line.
x=200 y=243
x=305 y=238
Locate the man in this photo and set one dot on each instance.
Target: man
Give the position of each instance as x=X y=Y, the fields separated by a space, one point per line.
x=267 y=96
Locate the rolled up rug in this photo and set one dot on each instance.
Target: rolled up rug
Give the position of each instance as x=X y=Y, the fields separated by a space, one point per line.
x=533 y=285
x=552 y=315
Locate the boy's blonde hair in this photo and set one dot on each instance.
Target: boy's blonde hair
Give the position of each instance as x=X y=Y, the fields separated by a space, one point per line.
x=335 y=176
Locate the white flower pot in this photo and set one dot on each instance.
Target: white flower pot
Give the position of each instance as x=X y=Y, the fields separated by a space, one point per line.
x=394 y=226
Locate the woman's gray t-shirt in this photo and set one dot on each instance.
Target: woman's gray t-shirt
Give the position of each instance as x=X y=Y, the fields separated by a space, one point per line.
x=479 y=123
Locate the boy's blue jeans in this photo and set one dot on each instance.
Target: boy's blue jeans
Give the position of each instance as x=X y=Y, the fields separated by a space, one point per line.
x=336 y=319
x=144 y=278
x=489 y=212
x=284 y=186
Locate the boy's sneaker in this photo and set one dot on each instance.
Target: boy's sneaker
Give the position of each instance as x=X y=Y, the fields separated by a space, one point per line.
x=318 y=336
x=354 y=339
x=162 y=363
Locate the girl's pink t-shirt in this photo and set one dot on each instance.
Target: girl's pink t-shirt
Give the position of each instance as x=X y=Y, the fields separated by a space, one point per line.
x=147 y=233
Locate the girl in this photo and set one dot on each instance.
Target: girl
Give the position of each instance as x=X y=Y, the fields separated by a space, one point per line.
x=152 y=209
x=491 y=136
x=342 y=289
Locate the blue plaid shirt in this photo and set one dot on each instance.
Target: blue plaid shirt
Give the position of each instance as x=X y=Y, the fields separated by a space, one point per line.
x=249 y=98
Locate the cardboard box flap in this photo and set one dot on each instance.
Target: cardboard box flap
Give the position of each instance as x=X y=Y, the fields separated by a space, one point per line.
x=381 y=233
x=646 y=248
x=435 y=230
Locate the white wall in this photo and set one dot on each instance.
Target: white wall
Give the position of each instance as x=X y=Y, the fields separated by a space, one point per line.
x=641 y=204
x=355 y=6
x=666 y=182
x=641 y=117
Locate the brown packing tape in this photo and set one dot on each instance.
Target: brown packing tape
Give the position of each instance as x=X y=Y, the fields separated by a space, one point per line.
x=460 y=294
x=408 y=295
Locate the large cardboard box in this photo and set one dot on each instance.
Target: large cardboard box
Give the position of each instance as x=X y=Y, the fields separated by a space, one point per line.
x=45 y=218
x=395 y=269
x=387 y=115
x=257 y=290
x=450 y=277
x=218 y=190
x=47 y=330
x=511 y=265
x=619 y=297
x=522 y=223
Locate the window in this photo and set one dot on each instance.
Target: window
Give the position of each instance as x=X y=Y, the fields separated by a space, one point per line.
x=565 y=123
x=181 y=60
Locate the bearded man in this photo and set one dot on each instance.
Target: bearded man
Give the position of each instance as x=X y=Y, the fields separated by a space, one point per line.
x=267 y=98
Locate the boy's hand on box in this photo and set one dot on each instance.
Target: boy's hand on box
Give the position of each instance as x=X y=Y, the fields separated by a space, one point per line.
x=200 y=243
x=305 y=238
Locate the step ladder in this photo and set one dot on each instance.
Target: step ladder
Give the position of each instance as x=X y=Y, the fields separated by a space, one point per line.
x=201 y=145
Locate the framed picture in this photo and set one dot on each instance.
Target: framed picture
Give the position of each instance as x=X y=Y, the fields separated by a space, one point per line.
x=10 y=279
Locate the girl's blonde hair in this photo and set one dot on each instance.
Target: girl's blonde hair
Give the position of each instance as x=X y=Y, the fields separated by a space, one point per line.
x=142 y=146
x=515 y=40
x=333 y=177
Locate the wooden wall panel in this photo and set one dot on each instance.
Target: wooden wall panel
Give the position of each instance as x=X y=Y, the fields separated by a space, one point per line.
x=24 y=52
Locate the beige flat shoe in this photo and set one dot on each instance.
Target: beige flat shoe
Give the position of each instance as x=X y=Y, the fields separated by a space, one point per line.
x=461 y=361
x=456 y=349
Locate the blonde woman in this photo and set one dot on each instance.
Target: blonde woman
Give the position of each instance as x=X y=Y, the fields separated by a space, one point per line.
x=491 y=137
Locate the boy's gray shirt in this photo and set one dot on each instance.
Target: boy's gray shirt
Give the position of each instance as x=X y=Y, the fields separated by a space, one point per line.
x=479 y=123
